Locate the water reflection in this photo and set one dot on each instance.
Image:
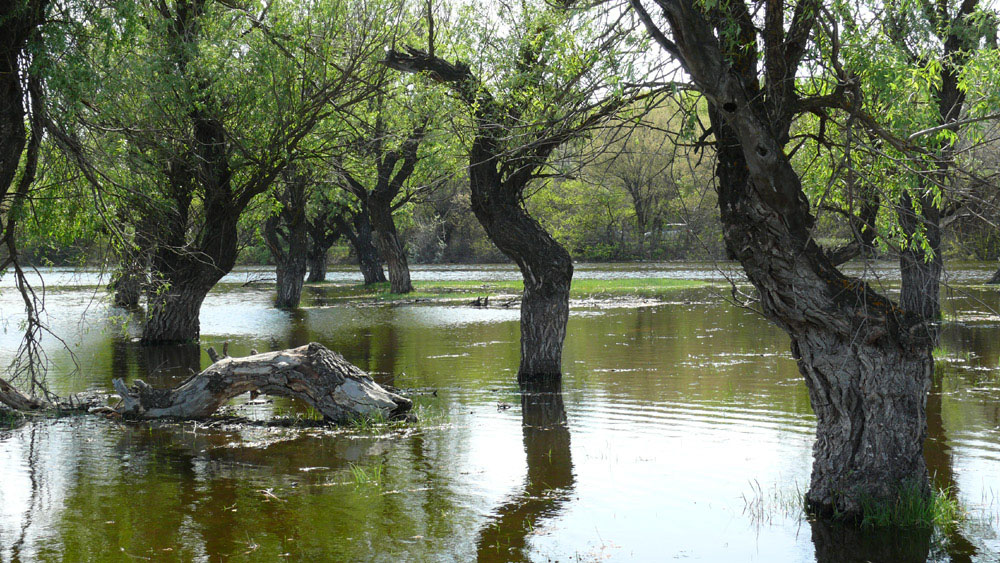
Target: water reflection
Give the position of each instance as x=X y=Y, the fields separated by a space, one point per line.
x=549 y=481
x=839 y=543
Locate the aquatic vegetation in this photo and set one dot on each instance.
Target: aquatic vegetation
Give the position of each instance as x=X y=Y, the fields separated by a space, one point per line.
x=372 y=476
x=914 y=508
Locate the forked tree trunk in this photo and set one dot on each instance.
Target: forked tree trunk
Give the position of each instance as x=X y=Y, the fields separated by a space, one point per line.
x=390 y=247
x=322 y=379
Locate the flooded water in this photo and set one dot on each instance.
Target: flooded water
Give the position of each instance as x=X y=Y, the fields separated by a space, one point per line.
x=683 y=431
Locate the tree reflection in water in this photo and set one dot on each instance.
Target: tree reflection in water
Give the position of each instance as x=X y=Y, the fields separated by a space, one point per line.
x=549 y=480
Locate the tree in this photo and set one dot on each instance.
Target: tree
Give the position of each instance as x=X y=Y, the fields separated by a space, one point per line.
x=20 y=24
x=554 y=76
x=192 y=113
x=866 y=362
x=393 y=167
x=286 y=234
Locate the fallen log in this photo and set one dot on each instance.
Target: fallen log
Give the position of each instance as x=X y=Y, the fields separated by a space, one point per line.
x=321 y=378
x=15 y=400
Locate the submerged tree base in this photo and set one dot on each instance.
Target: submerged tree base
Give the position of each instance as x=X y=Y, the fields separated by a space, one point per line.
x=323 y=379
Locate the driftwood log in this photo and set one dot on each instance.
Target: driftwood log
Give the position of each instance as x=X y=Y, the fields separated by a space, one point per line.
x=321 y=378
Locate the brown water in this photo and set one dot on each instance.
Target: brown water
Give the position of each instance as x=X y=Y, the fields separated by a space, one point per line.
x=683 y=431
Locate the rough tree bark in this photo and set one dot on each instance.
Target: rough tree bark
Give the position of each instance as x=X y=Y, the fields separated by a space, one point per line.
x=311 y=373
x=866 y=362
x=287 y=237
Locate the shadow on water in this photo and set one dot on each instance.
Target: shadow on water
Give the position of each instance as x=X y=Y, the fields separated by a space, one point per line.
x=549 y=482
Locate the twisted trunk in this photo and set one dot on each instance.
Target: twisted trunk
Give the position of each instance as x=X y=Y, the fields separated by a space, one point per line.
x=311 y=373
x=546 y=267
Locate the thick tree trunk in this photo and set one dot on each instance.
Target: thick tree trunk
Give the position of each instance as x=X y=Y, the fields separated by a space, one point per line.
x=173 y=312
x=311 y=373
x=291 y=275
x=368 y=258
x=390 y=247
x=130 y=280
x=546 y=268
x=316 y=263
x=867 y=368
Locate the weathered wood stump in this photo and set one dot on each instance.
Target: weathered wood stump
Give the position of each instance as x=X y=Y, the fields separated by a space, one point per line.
x=323 y=379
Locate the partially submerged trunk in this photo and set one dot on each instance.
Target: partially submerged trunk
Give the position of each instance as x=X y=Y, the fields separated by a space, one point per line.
x=920 y=270
x=287 y=237
x=321 y=378
x=547 y=271
x=391 y=248
x=316 y=263
x=173 y=311
x=866 y=363
x=360 y=237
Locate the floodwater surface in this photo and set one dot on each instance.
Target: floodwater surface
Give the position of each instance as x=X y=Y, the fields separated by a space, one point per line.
x=683 y=431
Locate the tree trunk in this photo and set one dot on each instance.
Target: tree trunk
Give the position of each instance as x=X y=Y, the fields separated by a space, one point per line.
x=368 y=257
x=390 y=247
x=291 y=274
x=311 y=373
x=316 y=262
x=921 y=271
x=130 y=279
x=173 y=312
x=546 y=268
x=128 y=290
x=867 y=368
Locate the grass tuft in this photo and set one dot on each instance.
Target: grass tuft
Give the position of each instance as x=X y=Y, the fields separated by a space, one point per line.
x=913 y=508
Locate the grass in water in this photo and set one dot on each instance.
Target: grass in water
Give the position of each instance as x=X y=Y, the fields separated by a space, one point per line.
x=913 y=508
x=371 y=476
x=580 y=289
x=368 y=422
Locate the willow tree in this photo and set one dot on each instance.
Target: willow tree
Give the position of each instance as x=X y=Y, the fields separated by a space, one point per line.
x=544 y=75
x=194 y=110
x=20 y=24
x=866 y=361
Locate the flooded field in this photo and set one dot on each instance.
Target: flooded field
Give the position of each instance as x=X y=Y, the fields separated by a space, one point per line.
x=687 y=436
